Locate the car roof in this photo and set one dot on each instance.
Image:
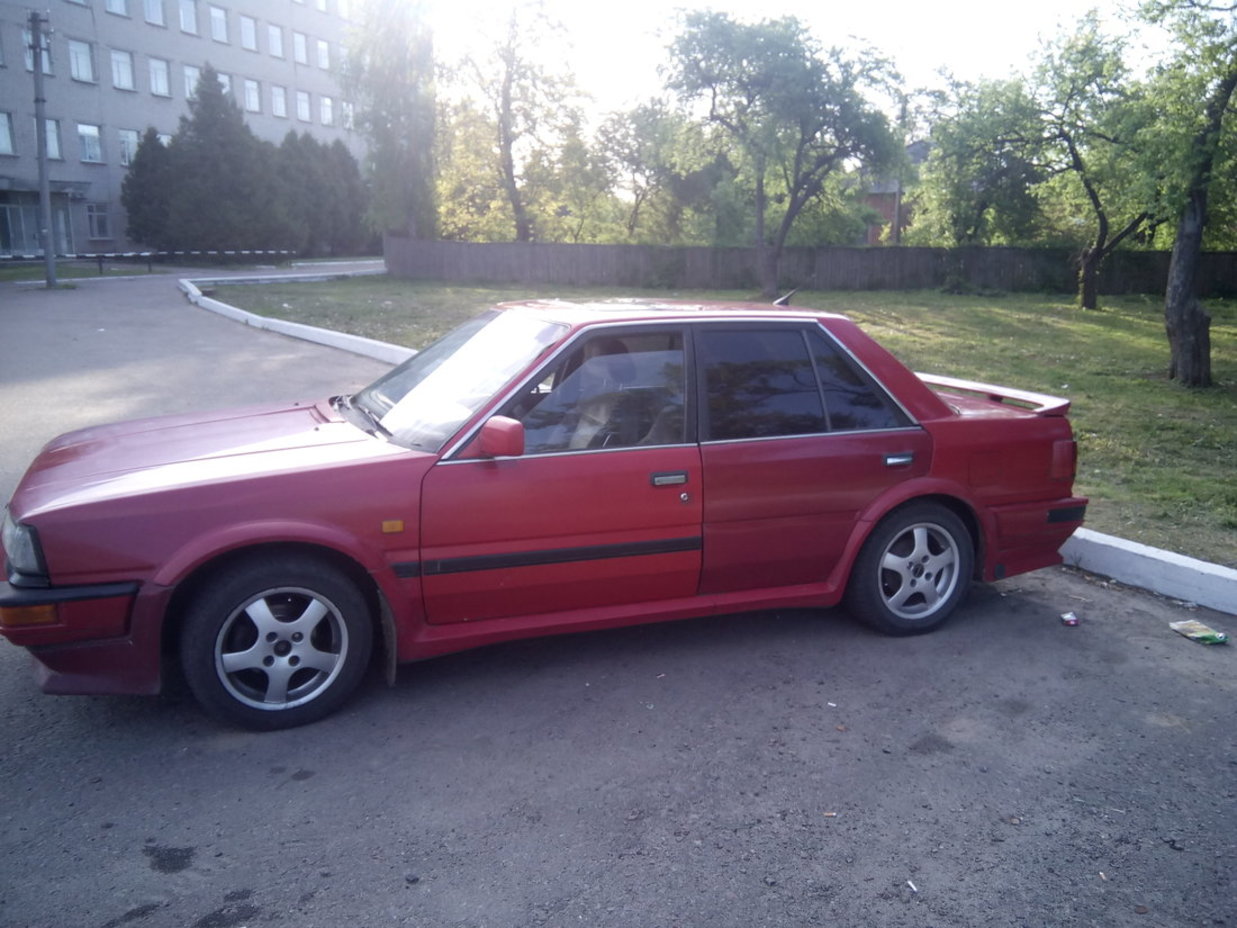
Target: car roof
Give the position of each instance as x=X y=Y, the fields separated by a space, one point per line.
x=643 y=309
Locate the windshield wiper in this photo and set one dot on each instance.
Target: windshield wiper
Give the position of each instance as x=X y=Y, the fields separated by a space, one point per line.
x=354 y=411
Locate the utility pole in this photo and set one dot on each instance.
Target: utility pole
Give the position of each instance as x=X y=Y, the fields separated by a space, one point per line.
x=46 y=231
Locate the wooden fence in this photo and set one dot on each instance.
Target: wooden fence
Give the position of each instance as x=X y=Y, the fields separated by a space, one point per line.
x=878 y=268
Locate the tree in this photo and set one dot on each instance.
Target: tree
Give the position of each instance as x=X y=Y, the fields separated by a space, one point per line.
x=798 y=114
x=977 y=184
x=1092 y=117
x=147 y=191
x=236 y=199
x=530 y=107
x=1196 y=90
x=390 y=76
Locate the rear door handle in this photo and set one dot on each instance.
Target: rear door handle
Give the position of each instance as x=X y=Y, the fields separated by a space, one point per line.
x=900 y=460
x=668 y=478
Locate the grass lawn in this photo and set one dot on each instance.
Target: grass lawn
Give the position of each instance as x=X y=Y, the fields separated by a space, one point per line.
x=1158 y=461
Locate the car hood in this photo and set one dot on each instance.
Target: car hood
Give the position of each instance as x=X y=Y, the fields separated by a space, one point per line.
x=148 y=455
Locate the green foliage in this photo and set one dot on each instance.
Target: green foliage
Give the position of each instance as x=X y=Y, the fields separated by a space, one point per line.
x=389 y=74
x=218 y=187
x=977 y=185
x=799 y=114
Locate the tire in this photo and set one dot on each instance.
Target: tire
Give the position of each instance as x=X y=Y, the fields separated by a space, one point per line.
x=276 y=642
x=913 y=570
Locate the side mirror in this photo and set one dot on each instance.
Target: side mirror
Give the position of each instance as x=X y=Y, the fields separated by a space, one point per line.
x=502 y=437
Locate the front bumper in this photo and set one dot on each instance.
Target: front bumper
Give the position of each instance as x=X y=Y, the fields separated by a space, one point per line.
x=99 y=638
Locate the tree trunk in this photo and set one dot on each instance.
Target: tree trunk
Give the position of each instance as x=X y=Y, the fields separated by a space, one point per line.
x=1187 y=323
x=1089 y=278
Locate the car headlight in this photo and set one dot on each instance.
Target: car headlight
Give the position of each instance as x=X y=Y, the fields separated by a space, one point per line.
x=21 y=548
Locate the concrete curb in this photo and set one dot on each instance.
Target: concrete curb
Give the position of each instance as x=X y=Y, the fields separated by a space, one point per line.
x=369 y=347
x=1163 y=572
x=1129 y=562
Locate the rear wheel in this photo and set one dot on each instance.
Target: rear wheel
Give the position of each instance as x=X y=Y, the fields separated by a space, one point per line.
x=276 y=642
x=913 y=570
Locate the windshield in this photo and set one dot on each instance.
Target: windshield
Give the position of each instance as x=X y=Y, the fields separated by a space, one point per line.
x=427 y=398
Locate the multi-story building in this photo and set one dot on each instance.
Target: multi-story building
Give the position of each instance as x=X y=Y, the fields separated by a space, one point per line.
x=115 y=67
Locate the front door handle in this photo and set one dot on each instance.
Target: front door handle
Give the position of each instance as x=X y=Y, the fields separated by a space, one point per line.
x=668 y=478
x=899 y=460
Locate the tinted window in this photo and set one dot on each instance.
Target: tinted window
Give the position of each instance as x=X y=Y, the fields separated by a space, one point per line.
x=759 y=384
x=852 y=400
x=611 y=391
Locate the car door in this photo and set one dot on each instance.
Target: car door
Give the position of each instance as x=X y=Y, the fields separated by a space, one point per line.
x=602 y=509
x=796 y=441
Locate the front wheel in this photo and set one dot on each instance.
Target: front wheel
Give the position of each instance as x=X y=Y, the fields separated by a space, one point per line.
x=276 y=642
x=913 y=570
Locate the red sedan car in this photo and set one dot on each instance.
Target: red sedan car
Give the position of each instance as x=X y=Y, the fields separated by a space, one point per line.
x=547 y=467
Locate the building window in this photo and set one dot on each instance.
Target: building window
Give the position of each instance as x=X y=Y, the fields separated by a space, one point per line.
x=128 y=140
x=81 y=61
x=321 y=5
x=119 y=7
x=274 y=40
x=27 y=42
x=51 y=135
x=326 y=111
x=324 y=54
x=90 y=138
x=6 y=134
x=302 y=106
x=154 y=12
x=122 y=70
x=279 y=101
x=164 y=139
x=253 y=97
x=347 y=113
x=189 y=16
x=342 y=9
x=225 y=81
x=160 y=84
x=96 y=218
x=192 y=76
x=218 y=24
x=249 y=33
x=300 y=48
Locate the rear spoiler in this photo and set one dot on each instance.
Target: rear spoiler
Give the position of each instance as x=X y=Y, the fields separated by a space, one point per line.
x=1039 y=403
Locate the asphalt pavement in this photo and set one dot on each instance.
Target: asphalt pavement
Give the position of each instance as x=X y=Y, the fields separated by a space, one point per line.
x=768 y=769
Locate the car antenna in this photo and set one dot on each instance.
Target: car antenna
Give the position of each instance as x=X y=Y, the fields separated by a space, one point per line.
x=784 y=299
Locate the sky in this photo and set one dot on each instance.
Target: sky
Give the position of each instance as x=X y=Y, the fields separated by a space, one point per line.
x=615 y=46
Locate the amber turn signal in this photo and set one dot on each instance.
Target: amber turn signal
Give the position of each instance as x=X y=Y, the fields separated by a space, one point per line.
x=24 y=616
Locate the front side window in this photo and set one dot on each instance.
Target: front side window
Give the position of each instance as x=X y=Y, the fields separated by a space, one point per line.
x=119 y=7
x=81 y=61
x=279 y=101
x=154 y=12
x=326 y=111
x=300 y=48
x=51 y=134
x=302 y=106
x=253 y=96
x=620 y=389
x=274 y=40
x=90 y=138
x=425 y=400
x=324 y=54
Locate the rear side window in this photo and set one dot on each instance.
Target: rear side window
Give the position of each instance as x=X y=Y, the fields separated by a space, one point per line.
x=767 y=383
x=852 y=400
x=759 y=384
